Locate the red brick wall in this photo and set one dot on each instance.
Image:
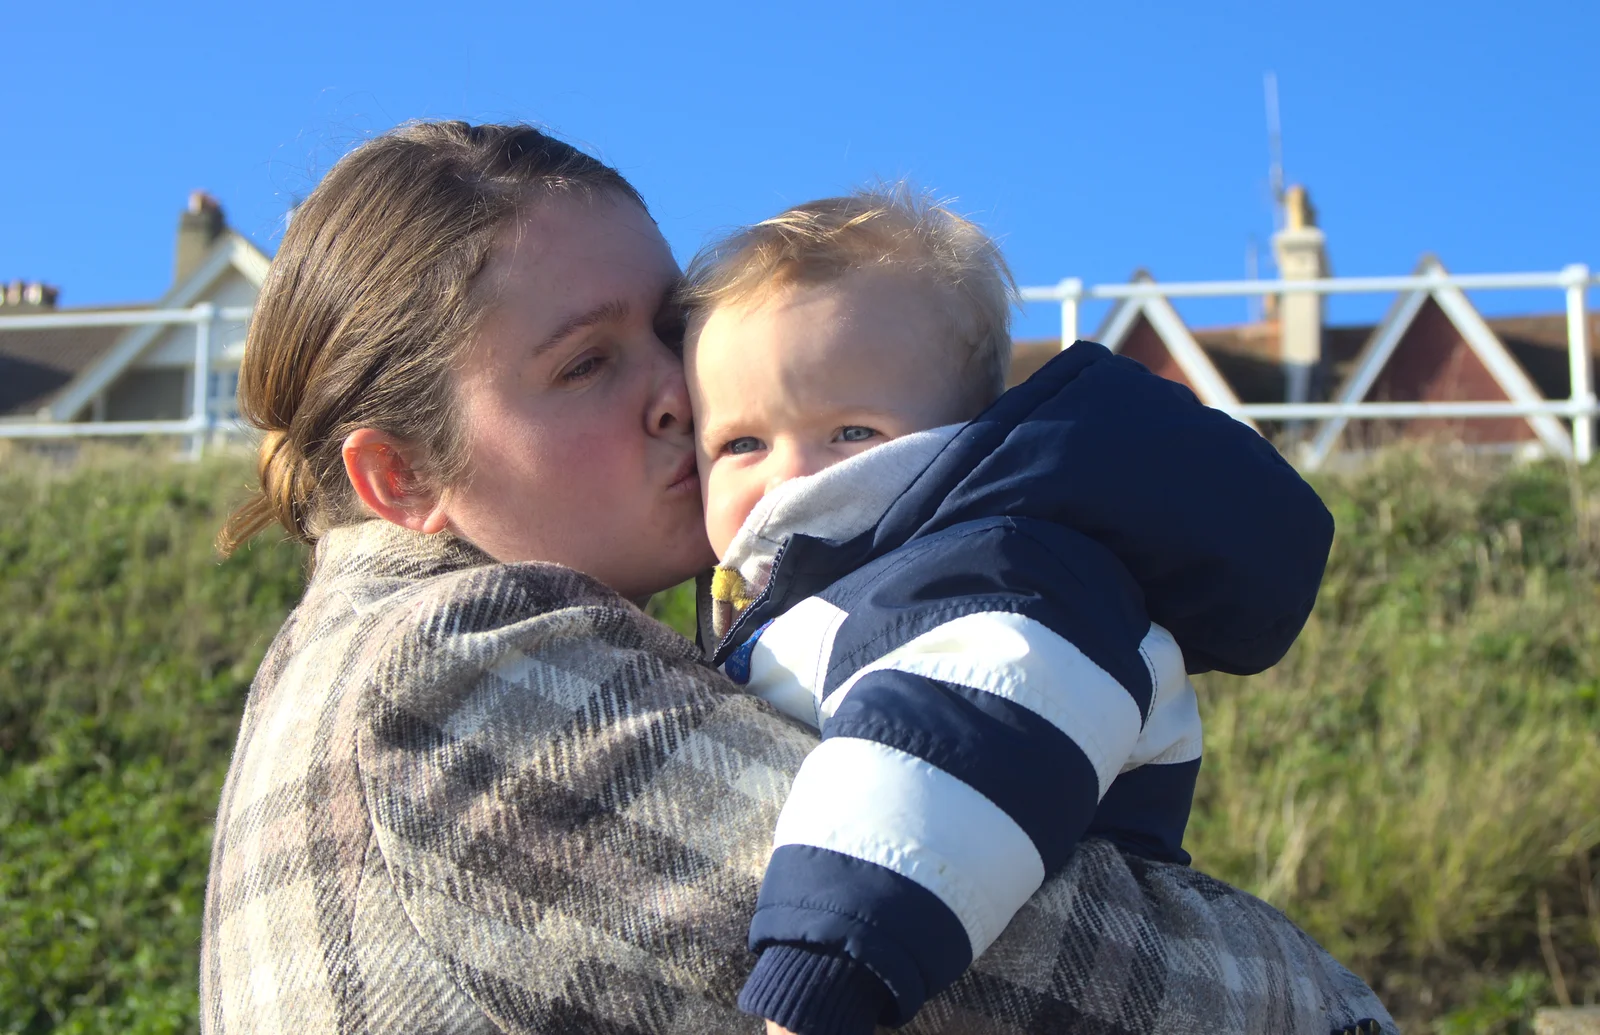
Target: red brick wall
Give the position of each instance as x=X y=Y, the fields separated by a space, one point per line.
x=1029 y=356
x=1434 y=363
x=1144 y=345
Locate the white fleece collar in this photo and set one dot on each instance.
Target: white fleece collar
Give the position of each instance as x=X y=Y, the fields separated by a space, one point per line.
x=838 y=502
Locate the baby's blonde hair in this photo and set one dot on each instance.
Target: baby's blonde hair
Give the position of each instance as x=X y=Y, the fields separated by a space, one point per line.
x=879 y=229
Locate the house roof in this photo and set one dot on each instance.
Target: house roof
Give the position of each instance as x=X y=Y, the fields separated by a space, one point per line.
x=1249 y=368
x=1391 y=334
x=37 y=365
x=1246 y=355
x=102 y=354
x=1157 y=312
x=1539 y=343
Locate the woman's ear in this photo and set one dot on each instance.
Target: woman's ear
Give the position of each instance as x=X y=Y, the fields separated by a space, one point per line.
x=381 y=472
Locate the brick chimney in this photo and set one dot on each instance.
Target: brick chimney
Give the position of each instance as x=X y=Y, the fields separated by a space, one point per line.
x=28 y=295
x=1301 y=256
x=198 y=228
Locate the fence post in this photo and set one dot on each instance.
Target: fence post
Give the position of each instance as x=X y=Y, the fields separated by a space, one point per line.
x=1577 y=280
x=205 y=317
x=1071 y=292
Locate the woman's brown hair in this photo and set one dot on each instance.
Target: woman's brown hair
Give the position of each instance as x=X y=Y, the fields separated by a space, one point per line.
x=369 y=301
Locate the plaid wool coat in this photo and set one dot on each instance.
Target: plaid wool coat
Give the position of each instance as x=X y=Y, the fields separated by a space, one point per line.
x=472 y=797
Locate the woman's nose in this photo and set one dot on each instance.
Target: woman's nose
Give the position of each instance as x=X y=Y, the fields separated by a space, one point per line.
x=669 y=412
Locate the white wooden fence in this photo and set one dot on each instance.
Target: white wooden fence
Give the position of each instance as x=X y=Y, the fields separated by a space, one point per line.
x=1574 y=281
x=1579 y=408
x=198 y=427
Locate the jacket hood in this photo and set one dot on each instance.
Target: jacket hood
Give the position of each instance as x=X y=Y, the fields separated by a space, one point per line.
x=1226 y=540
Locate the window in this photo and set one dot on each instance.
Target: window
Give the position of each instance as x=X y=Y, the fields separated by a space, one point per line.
x=223 y=395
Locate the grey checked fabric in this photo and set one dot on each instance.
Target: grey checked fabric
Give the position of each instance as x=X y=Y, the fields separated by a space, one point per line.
x=471 y=797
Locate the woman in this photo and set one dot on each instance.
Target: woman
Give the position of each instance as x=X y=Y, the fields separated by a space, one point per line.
x=475 y=788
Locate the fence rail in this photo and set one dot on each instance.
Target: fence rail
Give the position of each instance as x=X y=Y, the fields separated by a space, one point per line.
x=1073 y=289
x=197 y=427
x=1574 y=281
x=1580 y=408
x=199 y=314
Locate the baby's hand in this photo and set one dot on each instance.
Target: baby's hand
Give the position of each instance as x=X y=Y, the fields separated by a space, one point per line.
x=773 y=1029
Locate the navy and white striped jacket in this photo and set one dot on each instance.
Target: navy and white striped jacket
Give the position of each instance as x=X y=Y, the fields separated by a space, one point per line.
x=997 y=658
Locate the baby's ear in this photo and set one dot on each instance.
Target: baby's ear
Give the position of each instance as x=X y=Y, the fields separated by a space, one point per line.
x=383 y=472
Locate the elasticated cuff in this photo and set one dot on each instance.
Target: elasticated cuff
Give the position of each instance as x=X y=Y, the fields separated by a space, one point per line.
x=814 y=993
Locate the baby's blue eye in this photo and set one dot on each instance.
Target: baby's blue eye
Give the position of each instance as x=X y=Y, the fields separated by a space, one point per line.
x=739 y=446
x=855 y=433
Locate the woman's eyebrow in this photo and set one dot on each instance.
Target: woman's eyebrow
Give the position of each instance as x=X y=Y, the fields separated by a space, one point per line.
x=614 y=310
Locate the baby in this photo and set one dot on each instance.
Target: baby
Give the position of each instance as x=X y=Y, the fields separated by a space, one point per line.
x=956 y=587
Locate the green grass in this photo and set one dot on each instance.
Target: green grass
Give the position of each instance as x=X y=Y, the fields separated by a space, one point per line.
x=128 y=649
x=1412 y=784
x=1423 y=770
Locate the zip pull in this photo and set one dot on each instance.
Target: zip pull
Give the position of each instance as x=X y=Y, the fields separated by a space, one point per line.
x=1365 y=1026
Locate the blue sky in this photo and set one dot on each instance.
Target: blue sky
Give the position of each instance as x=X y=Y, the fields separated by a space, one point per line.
x=1092 y=139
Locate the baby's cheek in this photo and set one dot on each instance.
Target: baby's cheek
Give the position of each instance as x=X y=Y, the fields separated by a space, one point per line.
x=727 y=504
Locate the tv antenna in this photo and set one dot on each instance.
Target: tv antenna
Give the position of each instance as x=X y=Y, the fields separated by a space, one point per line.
x=1254 y=307
x=1275 y=150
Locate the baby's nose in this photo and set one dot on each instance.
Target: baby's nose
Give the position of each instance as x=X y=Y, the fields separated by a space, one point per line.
x=791 y=464
x=776 y=480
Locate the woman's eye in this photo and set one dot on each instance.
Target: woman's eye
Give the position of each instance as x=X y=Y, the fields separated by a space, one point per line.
x=740 y=446
x=855 y=433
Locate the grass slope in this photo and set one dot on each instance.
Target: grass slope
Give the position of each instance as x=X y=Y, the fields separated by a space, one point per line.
x=1415 y=784
x=127 y=652
x=1420 y=779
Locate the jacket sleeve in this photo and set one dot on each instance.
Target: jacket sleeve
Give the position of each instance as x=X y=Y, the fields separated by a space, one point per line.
x=985 y=687
x=573 y=809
